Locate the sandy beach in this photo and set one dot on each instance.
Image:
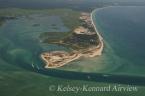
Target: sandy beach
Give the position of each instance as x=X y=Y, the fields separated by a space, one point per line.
x=99 y=50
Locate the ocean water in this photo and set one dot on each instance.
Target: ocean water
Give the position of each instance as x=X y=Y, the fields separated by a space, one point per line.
x=121 y=27
x=123 y=30
x=20 y=48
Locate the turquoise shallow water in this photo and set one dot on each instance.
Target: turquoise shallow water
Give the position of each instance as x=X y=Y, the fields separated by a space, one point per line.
x=121 y=27
x=17 y=49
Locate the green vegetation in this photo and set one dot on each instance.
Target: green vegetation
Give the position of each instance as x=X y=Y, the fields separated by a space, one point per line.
x=50 y=37
x=81 y=41
x=71 y=19
x=74 y=41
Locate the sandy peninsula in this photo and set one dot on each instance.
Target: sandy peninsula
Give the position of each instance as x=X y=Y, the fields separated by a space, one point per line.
x=57 y=59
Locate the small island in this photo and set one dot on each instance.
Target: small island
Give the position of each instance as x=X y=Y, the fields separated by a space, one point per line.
x=85 y=41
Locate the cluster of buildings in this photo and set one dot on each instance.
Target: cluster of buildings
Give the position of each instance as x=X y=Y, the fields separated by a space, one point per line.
x=86 y=26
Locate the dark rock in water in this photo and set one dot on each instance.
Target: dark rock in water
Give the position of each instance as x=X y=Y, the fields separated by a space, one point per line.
x=4 y=18
x=35 y=25
x=7 y=17
x=53 y=25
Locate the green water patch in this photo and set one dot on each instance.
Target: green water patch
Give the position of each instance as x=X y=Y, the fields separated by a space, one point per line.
x=5 y=43
x=19 y=54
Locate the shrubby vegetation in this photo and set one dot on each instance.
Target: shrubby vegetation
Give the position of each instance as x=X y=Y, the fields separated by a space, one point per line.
x=72 y=40
x=50 y=37
x=81 y=41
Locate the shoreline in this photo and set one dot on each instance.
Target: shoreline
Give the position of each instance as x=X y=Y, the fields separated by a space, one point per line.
x=46 y=66
x=100 y=37
x=54 y=61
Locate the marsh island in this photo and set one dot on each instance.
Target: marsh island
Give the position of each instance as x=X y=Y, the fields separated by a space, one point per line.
x=84 y=40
